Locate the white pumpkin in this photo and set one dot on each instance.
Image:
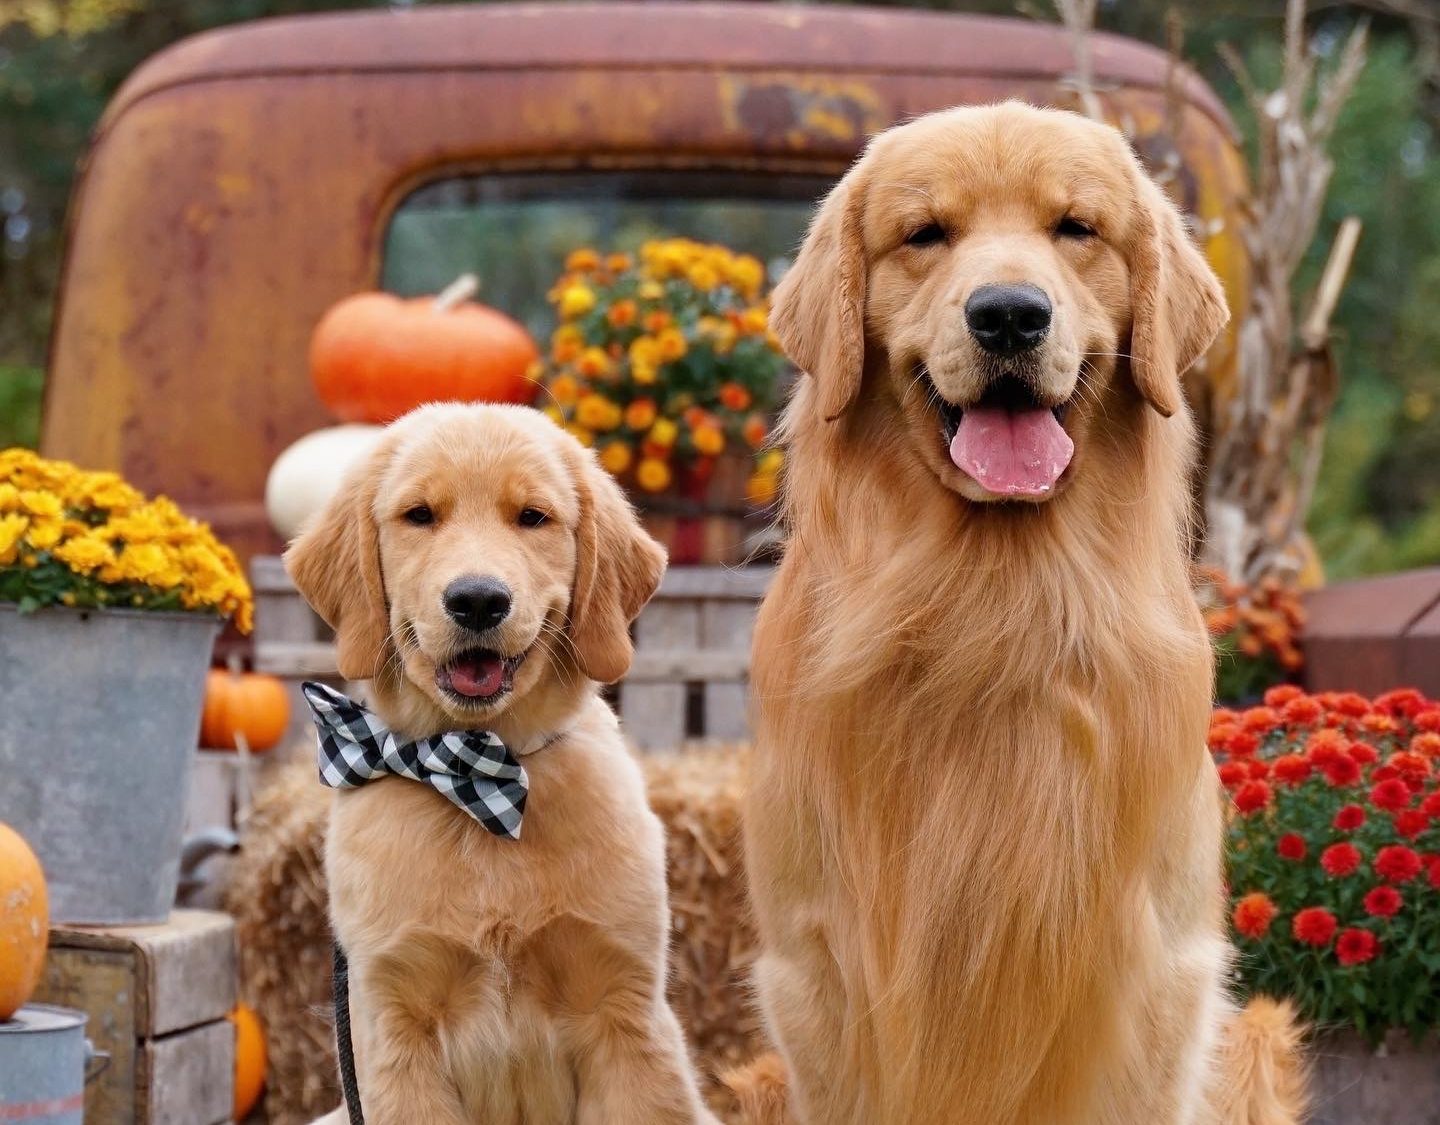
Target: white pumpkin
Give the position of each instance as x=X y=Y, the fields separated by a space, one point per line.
x=306 y=475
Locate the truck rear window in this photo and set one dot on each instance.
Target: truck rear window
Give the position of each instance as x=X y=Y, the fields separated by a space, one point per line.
x=515 y=230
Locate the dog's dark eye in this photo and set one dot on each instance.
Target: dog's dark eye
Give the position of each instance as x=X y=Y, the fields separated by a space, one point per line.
x=926 y=236
x=420 y=516
x=1069 y=227
x=532 y=517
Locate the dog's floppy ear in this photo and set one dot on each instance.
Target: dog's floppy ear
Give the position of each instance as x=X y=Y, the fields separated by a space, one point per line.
x=1177 y=302
x=617 y=569
x=818 y=309
x=335 y=564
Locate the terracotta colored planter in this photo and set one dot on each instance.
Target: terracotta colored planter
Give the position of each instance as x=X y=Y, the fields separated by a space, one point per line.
x=1354 y=1084
x=704 y=516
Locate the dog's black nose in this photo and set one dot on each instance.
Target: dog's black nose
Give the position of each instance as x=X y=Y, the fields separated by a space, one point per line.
x=477 y=603
x=1006 y=319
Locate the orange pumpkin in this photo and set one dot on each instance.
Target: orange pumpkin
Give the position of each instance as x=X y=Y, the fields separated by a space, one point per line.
x=24 y=922
x=250 y=1060
x=248 y=704
x=375 y=356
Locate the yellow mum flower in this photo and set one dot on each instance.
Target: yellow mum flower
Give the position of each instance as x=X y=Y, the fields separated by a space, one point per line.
x=671 y=345
x=581 y=434
x=651 y=291
x=565 y=390
x=554 y=413
x=640 y=414
x=755 y=320
x=709 y=440
x=582 y=260
x=45 y=532
x=40 y=503
x=576 y=300
x=652 y=475
x=615 y=457
x=618 y=263
x=9 y=498
x=663 y=433
x=86 y=553
x=12 y=527
x=596 y=412
x=703 y=276
x=760 y=490
x=747 y=275
x=593 y=363
x=770 y=461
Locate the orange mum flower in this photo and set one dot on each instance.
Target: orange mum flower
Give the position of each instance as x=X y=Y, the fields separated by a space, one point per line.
x=1281 y=694
x=1253 y=915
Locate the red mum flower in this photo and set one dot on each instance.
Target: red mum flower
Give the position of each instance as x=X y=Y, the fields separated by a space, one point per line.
x=1314 y=926
x=1252 y=797
x=1430 y=806
x=1428 y=720
x=1383 y=902
x=1340 y=860
x=1384 y=773
x=1397 y=864
x=1323 y=745
x=1220 y=734
x=1356 y=946
x=1301 y=711
x=1401 y=701
x=1363 y=753
x=1292 y=769
x=1426 y=743
x=1410 y=823
x=1241 y=744
x=1232 y=774
x=1344 y=770
x=1260 y=718
x=1281 y=694
x=1351 y=704
x=1259 y=768
x=1391 y=795
x=1349 y=818
x=1291 y=846
x=1253 y=914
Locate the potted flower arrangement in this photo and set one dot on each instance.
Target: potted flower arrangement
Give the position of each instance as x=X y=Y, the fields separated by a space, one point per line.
x=666 y=365
x=1335 y=879
x=1255 y=631
x=109 y=606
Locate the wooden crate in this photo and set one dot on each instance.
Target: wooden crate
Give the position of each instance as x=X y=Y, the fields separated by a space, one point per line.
x=157 y=997
x=692 y=651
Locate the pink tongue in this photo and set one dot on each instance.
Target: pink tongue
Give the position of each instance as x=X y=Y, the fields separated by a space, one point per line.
x=477 y=677
x=1011 y=453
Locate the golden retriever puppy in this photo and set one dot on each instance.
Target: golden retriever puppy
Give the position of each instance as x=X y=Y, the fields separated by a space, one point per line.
x=482 y=571
x=984 y=833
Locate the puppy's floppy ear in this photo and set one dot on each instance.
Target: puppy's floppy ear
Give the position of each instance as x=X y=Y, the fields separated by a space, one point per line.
x=819 y=305
x=617 y=569
x=335 y=564
x=1176 y=301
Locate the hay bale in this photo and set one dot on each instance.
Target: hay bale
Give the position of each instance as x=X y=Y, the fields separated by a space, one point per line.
x=277 y=894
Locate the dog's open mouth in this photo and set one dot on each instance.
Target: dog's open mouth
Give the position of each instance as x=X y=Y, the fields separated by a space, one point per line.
x=1008 y=443
x=478 y=676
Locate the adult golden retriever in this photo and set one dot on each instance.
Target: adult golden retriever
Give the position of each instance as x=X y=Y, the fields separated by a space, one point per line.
x=984 y=834
x=482 y=571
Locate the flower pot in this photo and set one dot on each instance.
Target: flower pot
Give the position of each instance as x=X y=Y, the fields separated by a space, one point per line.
x=97 y=733
x=1352 y=1082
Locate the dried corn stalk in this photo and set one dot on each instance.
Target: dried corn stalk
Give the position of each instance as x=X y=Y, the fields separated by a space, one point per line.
x=1268 y=439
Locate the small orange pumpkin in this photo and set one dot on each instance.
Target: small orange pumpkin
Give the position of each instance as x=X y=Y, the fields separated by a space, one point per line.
x=24 y=921
x=250 y=1059
x=375 y=356
x=244 y=703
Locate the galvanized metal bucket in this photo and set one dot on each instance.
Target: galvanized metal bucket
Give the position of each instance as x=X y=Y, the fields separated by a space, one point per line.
x=45 y=1061
x=99 y=713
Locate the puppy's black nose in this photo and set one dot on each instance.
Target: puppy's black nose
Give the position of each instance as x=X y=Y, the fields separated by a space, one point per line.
x=477 y=603
x=1006 y=319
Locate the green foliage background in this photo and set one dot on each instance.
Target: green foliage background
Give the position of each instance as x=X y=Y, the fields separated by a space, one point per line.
x=1378 y=506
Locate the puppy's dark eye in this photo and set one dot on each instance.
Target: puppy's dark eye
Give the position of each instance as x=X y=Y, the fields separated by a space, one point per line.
x=420 y=516
x=926 y=236
x=1069 y=227
x=532 y=517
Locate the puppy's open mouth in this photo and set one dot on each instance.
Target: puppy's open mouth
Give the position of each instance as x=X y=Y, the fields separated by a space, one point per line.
x=1008 y=442
x=478 y=676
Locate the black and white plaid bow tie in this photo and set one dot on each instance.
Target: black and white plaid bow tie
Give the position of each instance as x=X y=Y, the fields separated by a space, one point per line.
x=471 y=767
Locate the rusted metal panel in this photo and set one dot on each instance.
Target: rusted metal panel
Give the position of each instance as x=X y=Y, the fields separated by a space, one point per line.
x=1375 y=634
x=242 y=182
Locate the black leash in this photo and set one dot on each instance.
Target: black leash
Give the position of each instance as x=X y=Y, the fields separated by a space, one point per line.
x=344 y=1048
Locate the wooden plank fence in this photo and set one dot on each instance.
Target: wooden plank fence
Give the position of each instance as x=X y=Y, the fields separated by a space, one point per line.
x=690 y=678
